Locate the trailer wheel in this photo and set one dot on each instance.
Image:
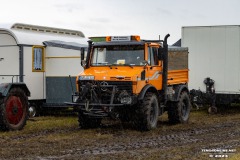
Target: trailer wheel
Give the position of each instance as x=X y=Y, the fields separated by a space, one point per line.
x=179 y=112
x=146 y=117
x=14 y=110
x=86 y=122
x=212 y=110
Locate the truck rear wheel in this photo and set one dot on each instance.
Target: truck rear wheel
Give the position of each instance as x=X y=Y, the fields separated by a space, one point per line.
x=86 y=122
x=14 y=110
x=147 y=113
x=179 y=112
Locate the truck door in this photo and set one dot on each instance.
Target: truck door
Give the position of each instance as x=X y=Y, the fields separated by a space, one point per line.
x=154 y=68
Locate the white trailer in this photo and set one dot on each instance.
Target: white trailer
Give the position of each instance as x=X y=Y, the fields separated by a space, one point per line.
x=214 y=52
x=43 y=58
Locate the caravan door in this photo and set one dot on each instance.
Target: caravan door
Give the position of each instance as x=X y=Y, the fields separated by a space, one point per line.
x=9 y=58
x=34 y=70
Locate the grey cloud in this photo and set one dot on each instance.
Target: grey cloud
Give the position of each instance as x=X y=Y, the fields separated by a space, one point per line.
x=70 y=7
x=100 y=20
x=164 y=11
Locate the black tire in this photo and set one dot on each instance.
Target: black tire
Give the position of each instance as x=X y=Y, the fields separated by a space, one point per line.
x=14 y=110
x=179 y=112
x=212 y=110
x=147 y=113
x=86 y=122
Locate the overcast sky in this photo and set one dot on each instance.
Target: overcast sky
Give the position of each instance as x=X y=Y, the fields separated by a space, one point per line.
x=147 y=18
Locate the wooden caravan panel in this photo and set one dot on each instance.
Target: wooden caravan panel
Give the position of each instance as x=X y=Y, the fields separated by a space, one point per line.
x=9 y=58
x=62 y=62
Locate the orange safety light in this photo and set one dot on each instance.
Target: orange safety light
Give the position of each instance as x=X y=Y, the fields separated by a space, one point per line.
x=135 y=38
x=108 y=38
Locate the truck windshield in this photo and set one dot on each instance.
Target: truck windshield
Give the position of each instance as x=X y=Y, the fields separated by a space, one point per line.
x=118 y=55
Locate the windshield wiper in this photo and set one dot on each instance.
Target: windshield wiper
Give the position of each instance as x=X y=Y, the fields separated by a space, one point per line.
x=100 y=63
x=127 y=65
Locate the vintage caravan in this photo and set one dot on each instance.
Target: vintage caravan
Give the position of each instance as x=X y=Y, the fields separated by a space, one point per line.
x=46 y=59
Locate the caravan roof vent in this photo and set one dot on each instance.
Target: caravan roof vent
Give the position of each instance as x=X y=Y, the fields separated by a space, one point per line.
x=35 y=28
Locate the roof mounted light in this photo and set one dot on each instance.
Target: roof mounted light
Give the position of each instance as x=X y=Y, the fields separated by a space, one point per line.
x=122 y=38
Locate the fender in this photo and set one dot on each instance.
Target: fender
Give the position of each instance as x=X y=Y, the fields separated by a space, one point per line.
x=145 y=89
x=178 y=90
x=6 y=87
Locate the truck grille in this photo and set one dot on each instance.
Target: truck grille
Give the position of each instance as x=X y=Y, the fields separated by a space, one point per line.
x=122 y=85
x=120 y=78
x=106 y=93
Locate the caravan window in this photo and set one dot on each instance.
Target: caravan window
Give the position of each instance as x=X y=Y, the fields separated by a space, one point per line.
x=38 y=59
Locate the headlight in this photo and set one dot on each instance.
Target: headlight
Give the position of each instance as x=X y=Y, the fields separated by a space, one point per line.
x=126 y=100
x=86 y=78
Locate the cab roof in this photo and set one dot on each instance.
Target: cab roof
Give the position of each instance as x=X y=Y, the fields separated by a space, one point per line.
x=114 y=43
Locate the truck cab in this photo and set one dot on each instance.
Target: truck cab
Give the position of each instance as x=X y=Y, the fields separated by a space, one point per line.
x=127 y=78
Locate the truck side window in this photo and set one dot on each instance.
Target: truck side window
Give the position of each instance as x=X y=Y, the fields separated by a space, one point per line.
x=153 y=56
x=38 y=59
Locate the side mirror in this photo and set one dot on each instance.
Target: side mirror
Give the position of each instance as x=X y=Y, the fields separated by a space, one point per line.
x=83 y=63
x=82 y=54
x=145 y=63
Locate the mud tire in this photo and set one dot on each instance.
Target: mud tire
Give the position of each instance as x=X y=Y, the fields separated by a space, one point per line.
x=86 y=122
x=14 y=110
x=212 y=110
x=179 y=112
x=147 y=113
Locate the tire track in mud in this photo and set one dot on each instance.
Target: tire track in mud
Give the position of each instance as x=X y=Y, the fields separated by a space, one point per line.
x=36 y=134
x=211 y=134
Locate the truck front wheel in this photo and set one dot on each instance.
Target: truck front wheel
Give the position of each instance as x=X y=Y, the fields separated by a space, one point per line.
x=179 y=112
x=147 y=113
x=14 y=110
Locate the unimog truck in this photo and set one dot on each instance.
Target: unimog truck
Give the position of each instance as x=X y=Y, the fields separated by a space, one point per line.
x=13 y=105
x=132 y=80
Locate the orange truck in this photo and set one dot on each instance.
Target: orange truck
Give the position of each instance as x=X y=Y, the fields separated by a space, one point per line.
x=132 y=80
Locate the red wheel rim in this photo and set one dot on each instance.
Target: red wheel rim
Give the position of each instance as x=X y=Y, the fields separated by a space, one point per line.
x=14 y=110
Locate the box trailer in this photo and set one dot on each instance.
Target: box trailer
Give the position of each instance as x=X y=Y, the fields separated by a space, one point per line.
x=214 y=62
x=43 y=58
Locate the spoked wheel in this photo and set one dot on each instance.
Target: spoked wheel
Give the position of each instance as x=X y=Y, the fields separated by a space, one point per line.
x=14 y=110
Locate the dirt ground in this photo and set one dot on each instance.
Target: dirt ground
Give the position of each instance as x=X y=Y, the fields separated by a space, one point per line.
x=58 y=137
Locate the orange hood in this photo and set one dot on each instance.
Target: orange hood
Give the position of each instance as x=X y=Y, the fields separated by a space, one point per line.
x=114 y=73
